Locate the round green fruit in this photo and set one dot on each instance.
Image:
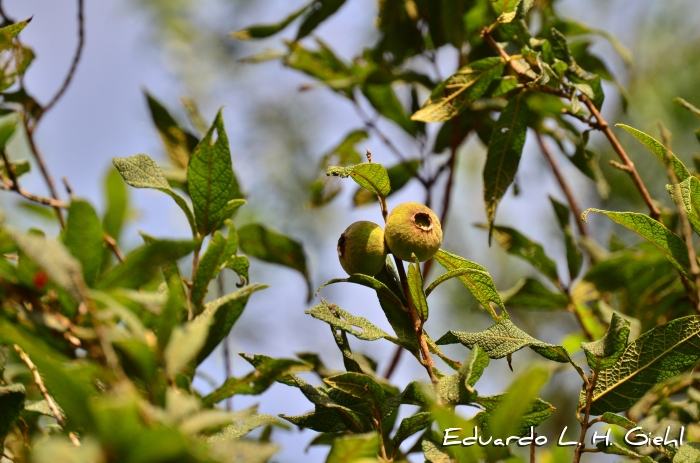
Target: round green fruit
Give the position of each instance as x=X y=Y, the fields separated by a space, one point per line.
x=413 y=228
x=361 y=248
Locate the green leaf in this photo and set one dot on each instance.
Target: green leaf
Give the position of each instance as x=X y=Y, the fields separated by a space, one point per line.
x=480 y=285
x=173 y=313
x=210 y=178
x=320 y=11
x=342 y=320
x=54 y=259
x=140 y=171
x=504 y=338
x=346 y=449
x=519 y=245
x=655 y=232
x=13 y=30
x=616 y=449
x=360 y=386
x=11 y=403
x=261 y=31
x=687 y=193
x=503 y=156
x=509 y=10
x=384 y=100
x=433 y=454
x=399 y=175
x=369 y=282
x=618 y=420
x=609 y=349
x=415 y=287
x=394 y=310
x=684 y=104
x=258 y=241
x=243 y=426
x=574 y=256
x=140 y=265
x=411 y=425
x=370 y=176
x=208 y=269
x=185 y=343
x=240 y=265
x=687 y=453
x=664 y=155
x=458 y=388
x=516 y=410
x=83 y=238
x=220 y=315
x=662 y=353
x=178 y=142
x=267 y=371
x=532 y=294
x=8 y=125
x=455 y=94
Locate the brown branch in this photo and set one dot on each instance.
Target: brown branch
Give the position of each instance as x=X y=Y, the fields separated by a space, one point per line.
x=587 y=413
x=49 y=400
x=13 y=185
x=73 y=66
x=532 y=448
x=683 y=216
x=626 y=161
x=394 y=362
x=573 y=204
x=112 y=244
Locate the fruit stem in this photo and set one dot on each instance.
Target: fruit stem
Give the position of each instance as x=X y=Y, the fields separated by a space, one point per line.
x=427 y=359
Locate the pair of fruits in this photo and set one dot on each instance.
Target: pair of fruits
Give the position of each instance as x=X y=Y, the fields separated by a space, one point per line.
x=411 y=228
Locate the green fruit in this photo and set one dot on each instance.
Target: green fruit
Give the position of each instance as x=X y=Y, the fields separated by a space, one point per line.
x=361 y=248
x=413 y=228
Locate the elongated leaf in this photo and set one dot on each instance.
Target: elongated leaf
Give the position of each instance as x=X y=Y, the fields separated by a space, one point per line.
x=258 y=241
x=659 y=354
x=220 y=315
x=83 y=238
x=117 y=199
x=660 y=151
x=503 y=339
x=619 y=420
x=140 y=171
x=243 y=427
x=433 y=454
x=411 y=425
x=452 y=96
x=503 y=156
x=208 y=268
x=210 y=178
x=687 y=193
x=261 y=31
x=360 y=386
x=367 y=281
x=319 y=12
x=370 y=176
x=267 y=371
x=178 y=142
x=351 y=448
x=174 y=311
x=398 y=318
x=480 y=285
x=532 y=294
x=574 y=256
x=140 y=265
x=11 y=404
x=185 y=342
x=687 y=453
x=616 y=449
x=684 y=104
x=517 y=244
x=518 y=409
x=415 y=287
x=342 y=320
x=610 y=348
x=654 y=232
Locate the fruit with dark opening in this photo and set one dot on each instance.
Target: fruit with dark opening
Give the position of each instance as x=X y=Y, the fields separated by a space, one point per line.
x=361 y=248
x=413 y=228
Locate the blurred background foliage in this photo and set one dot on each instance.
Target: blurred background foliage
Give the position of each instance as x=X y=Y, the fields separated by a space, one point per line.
x=279 y=133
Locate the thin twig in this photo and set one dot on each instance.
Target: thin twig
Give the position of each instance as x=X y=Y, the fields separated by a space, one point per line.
x=683 y=216
x=73 y=66
x=112 y=244
x=394 y=363
x=587 y=413
x=14 y=185
x=573 y=204
x=49 y=400
x=605 y=128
